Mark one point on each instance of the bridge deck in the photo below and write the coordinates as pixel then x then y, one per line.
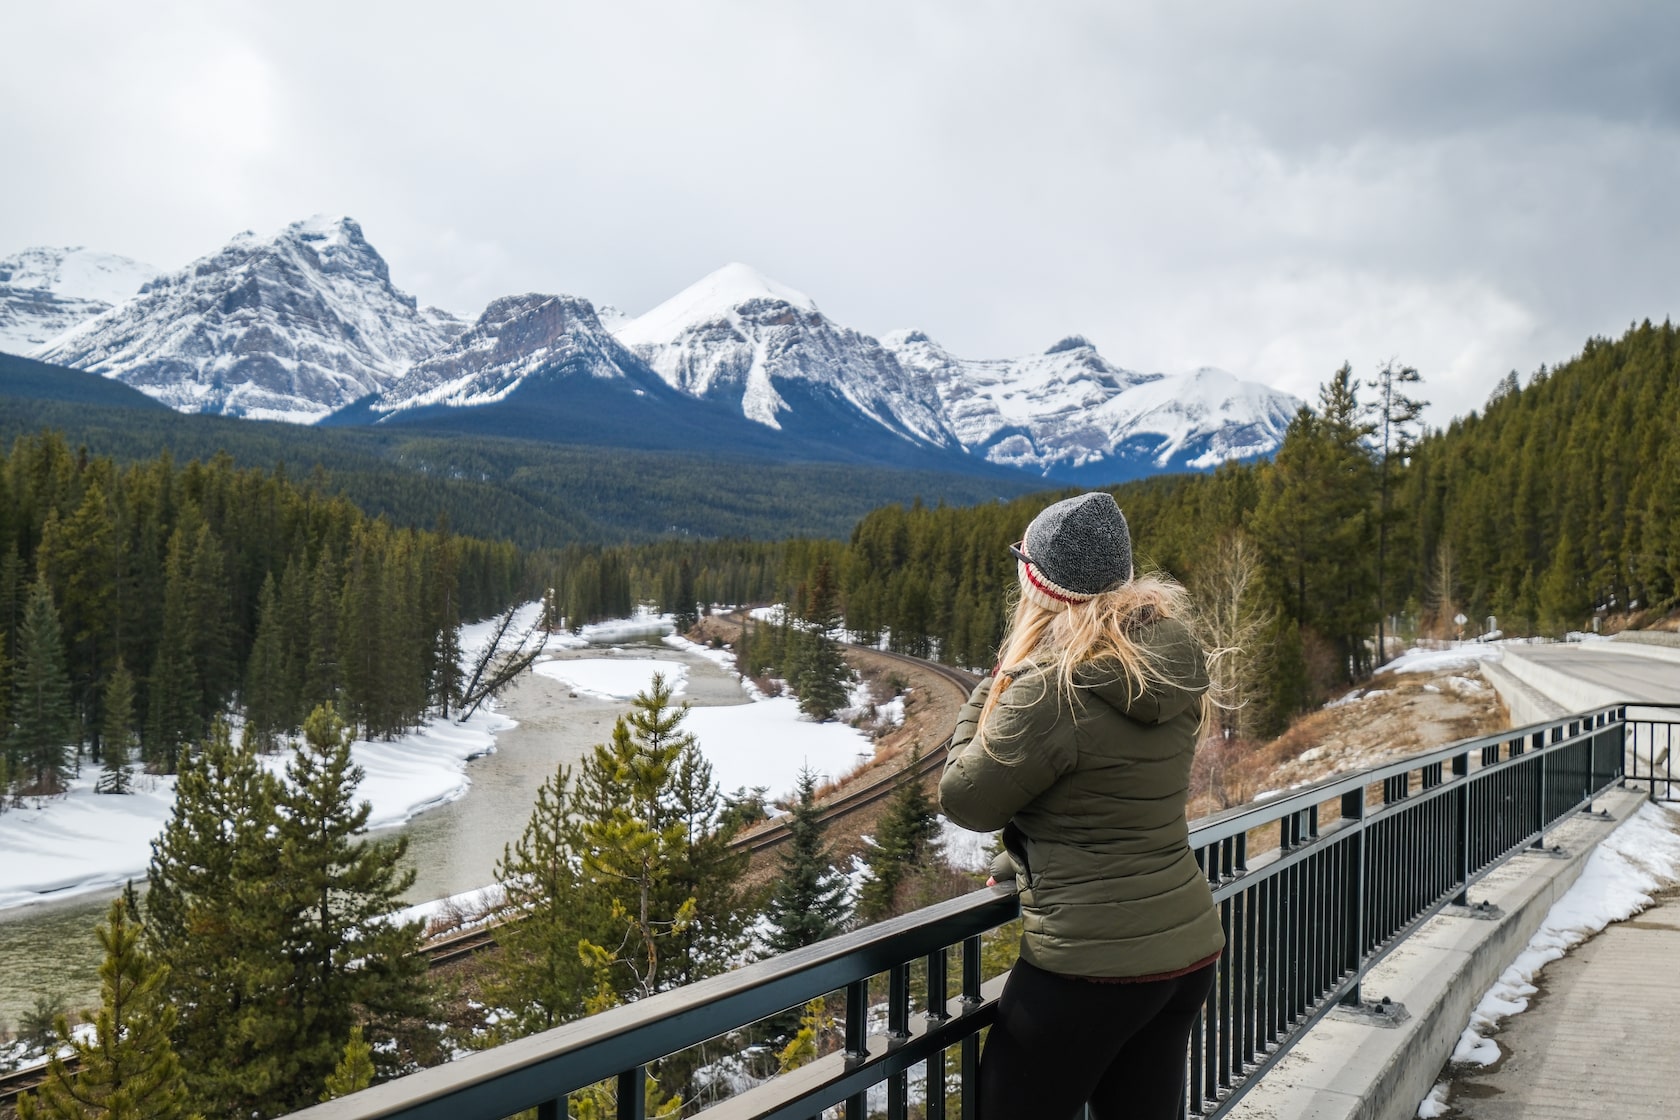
pixel 1601 1039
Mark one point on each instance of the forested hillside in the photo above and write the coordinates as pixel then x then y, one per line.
pixel 1560 499
pixel 538 494
pixel 137 602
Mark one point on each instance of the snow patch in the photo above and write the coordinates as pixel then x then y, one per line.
pixel 1619 880
pixel 613 678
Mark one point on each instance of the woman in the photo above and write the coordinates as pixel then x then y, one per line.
pixel 1079 748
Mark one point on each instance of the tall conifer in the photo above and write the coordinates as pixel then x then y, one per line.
pixel 41 718
pixel 808 901
pixel 129 1070
pixel 349 963
pixel 212 917
pixel 117 732
pixel 908 832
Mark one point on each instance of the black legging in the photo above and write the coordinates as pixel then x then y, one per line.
pixel 1060 1042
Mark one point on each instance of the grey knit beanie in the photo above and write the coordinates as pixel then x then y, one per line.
pixel 1074 551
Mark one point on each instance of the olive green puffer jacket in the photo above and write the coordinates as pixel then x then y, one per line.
pixel 1093 788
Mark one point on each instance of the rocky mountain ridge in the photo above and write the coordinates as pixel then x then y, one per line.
pixel 288 327
pixel 302 325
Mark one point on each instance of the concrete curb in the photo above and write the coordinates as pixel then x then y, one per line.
pixel 1526 703
pixel 1638 649
pixel 1348 1069
pixel 1570 693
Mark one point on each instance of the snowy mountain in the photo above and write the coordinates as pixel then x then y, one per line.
pixel 547 368
pixel 1070 414
pixel 517 338
pixel 740 337
pixel 307 324
pixel 47 291
pixel 288 327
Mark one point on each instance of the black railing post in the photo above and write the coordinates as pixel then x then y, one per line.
pixel 1540 801
pixel 1461 771
pixel 1353 809
pixel 632 1094
pixel 936 1013
pixel 971 1001
pixel 898 1033
pixel 548 1110
pixel 857 1041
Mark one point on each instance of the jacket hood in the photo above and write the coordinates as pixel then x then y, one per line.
pixel 1178 659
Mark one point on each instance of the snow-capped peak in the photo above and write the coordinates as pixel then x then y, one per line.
pixel 289 326
pixel 1069 412
pixel 708 300
pixel 516 337
pixel 76 272
pixel 45 291
pixel 738 334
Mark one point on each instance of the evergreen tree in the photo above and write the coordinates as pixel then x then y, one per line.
pixel 40 744
pixel 705 868
pixel 354 1071
pixel 175 701
pixel 322 673
pixel 647 838
pixel 820 674
pixel 129 1070
pixel 349 963
pixel 211 917
pixel 266 702
pixel 271 912
pixel 808 901
pixel 908 834
pixel 1396 432
pixel 117 732
pixel 539 980
pixel 685 607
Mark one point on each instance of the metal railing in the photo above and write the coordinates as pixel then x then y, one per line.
pixel 1313 887
pixel 1652 744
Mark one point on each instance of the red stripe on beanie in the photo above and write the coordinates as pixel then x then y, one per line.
pixel 1051 589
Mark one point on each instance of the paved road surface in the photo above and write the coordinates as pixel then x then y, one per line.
pixel 1629 676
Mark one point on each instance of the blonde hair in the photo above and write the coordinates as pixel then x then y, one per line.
pixel 1103 628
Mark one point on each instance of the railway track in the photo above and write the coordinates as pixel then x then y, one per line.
pixel 460 945
pixel 770 835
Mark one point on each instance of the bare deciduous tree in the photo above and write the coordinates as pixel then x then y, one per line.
pixel 1442 592
pixel 499 663
pixel 1234 623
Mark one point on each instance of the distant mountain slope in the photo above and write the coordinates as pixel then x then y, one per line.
pixel 45 291
pixel 1070 414
pixel 535 493
pixel 287 327
pixel 26 379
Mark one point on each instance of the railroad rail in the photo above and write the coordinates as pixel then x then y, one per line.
pixel 772 833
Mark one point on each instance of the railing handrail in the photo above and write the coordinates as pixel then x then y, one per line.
pixel 695 1012
pixel 1245 818
pixel 626 1038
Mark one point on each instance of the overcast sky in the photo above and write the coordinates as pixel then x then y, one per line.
pixel 1273 188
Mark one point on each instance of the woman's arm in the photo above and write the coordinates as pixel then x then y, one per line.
pixel 1030 747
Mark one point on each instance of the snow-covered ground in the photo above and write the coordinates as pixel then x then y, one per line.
pixel 1619 880
pixel 58 847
